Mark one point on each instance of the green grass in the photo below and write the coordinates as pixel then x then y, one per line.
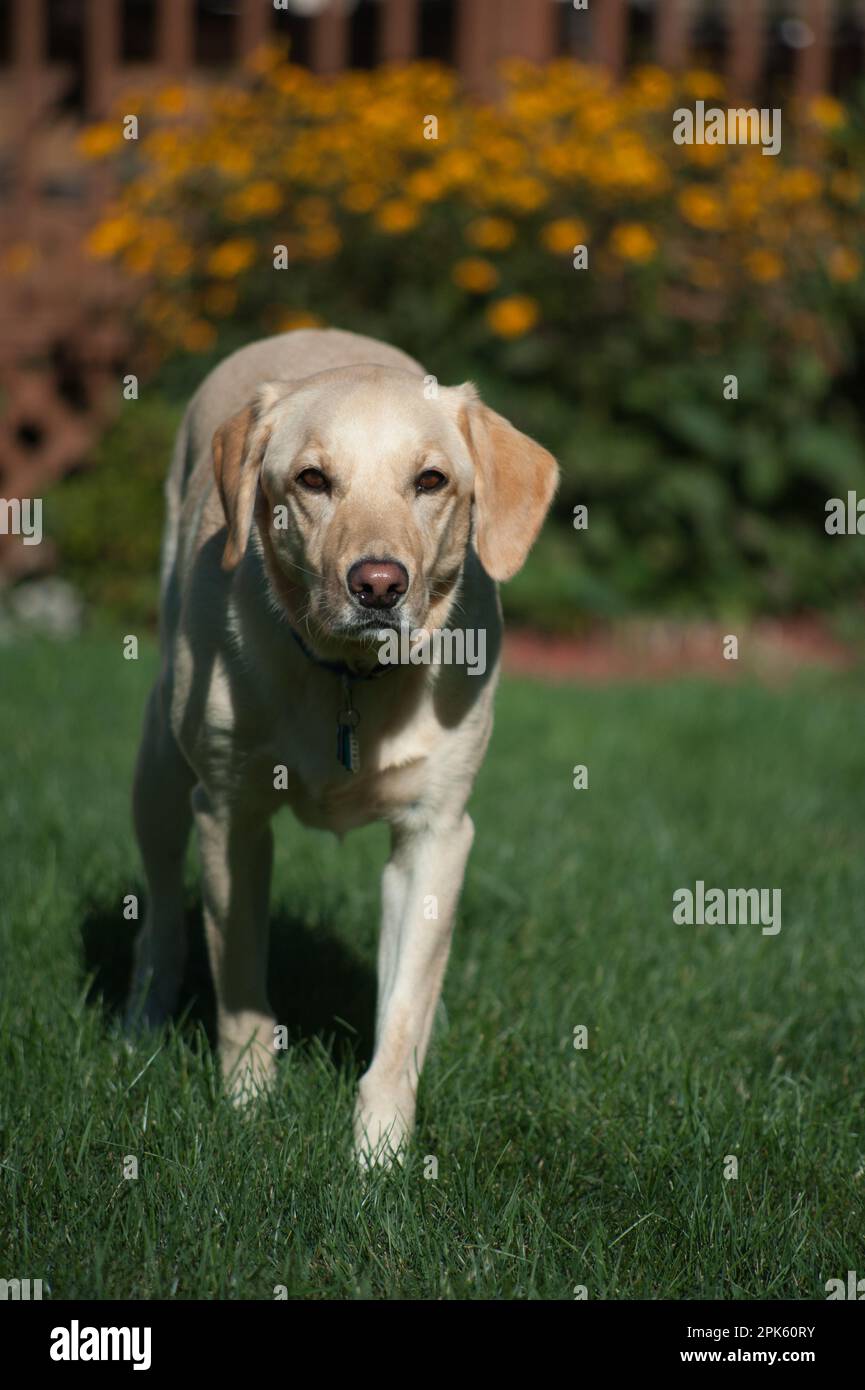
pixel 556 1167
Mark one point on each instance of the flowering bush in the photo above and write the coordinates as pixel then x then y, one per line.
pixel 389 202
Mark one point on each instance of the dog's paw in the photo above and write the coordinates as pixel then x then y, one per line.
pixel 148 1008
pixel 248 1057
pixel 383 1124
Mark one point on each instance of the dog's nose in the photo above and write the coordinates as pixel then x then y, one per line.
pixel 377 583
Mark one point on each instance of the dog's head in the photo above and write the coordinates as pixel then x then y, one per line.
pixel 363 482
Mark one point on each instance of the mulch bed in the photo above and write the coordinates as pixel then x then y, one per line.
pixel 771 650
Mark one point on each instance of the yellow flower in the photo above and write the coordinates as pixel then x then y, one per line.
pixel 844 265
pixel 233 161
pixel 701 83
pixel 825 111
pixel 321 242
pixel 503 151
pixel 198 336
pixel 523 194
pixel 560 237
pixel 514 316
pixel 265 59
pixel 172 156
pixel 631 241
pixel 140 259
pixel 231 258
pixel 744 201
pixel 799 185
pixel 220 300
pixel 100 140
pixel 397 216
pixel 475 275
pixel 171 101
pixel 257 199
pixel 490 233
pixel 360 197
pixel 626 162
pixel 230 103
pixel 562 161
pixel 701 207
pixel 110 236
pixel 291 319
pixel 458 167
pixel 651 88
pixel 764 266
pixel 704 156
pixel 289 79
pixel 846 186
pixel 599 115
pixel 425 185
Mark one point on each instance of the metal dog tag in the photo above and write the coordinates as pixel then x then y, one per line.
pixel 347 743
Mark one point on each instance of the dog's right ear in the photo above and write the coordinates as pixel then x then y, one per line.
pixel 238 449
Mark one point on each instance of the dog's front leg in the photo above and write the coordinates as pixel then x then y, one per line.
pixel 236 859
pixel 420 890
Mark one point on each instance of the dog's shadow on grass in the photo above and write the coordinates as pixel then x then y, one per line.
pixel 319 989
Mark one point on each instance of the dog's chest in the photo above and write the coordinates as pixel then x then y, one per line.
pixel 310 777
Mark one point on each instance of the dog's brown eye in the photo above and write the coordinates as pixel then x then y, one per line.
pixel 431 480
pixel 314 479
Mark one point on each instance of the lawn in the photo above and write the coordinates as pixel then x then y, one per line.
pixel 556 1167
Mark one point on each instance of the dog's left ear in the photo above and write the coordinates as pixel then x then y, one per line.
pixel 238 449
pixel 515 480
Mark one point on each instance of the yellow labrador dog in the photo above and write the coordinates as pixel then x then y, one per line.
pixel 324 493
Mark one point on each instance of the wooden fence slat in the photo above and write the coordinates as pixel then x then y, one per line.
pixel 101 53
pixel 29 53
pixel 29 33
pixel 176 35
pixel 530 29
pixel 400 32
pixel 329 48
pixel 746 45
pixel 812 62
pixel 673 33
pixel 475 47
pixel 610 35
pixel 508 31
pixel 253 25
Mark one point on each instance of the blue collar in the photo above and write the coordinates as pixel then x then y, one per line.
pixel 338 668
